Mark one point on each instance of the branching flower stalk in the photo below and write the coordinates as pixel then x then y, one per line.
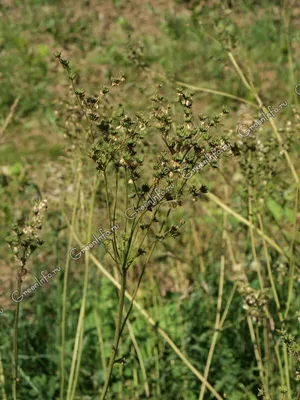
pixel 23 243
pixel 116 142
pixel 150 320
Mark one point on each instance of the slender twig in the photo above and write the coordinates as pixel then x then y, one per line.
pixel 217 92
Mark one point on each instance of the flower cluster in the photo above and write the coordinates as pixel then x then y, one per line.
pixel 213 155
pixel 26 240
pixel 255 302
pixel 152 201
pixel 293 345
pixel 117 140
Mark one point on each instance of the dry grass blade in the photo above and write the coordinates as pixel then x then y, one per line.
pixel 9 117
pixel 216 200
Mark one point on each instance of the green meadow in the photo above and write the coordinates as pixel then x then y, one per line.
pixel 149 224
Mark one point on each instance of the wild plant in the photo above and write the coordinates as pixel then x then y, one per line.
pixel 23 242
pixel 142 178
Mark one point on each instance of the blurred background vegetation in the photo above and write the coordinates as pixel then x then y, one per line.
pixel 153 42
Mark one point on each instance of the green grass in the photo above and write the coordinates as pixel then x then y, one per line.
pixel 187 43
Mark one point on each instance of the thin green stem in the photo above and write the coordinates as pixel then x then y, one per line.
pixel 117 334
pixel 65 288
pixel 111 222
pixel 77 352
pixel 286 370
pixel 239 71
pixel 151 321
pixel 219 202
pixel 98 324
pixel 217 92
pixel 2 380
pixel 140 358
pixel 270 274
pixel 292 256
pixel 217 326
pixel 257 355
pixel 16 336
pixel 286 23
pixel 282 380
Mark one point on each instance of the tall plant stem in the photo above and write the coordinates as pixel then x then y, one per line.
pixel 219 305
pixel 217 326
pixel 253 339
pixel 282 380
pixel 292 256
pixel 253 248
pixel 270 274
pixel 98 324
pixel 239 71
pixel 140 358
pixel 120 329
pixel 219 320
pixel 117 334
pixel 150 320
pixel 286 370
pixel 219 202
pixel 16 348
pixel 287 6
pixel 65 287
pixel 260 278
pixel 2 380
pixel 77 352
pixel 277 302
pixel 258 356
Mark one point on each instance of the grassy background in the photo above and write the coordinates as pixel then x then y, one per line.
pixel 180 41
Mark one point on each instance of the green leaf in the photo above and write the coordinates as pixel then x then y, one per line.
pixel 289 214
pixel 275 208
pixel 16 169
